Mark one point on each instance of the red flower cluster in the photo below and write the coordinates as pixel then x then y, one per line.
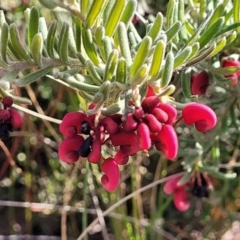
pixel 9 118
pixel 199 83
pixel 150 124
pixel 198 186
pixel 234 76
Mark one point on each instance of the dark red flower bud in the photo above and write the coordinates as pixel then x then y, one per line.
pixel 15 119
pixel 153 124
pixel 95 155
pixel 7 101
pixel 143 133
pixel 170 110
pixel 4 114
pixel 168 142
pixel 160 115
pixel 130 123
pixel 149 103
pixel 110 179
pixel 68 149
pixel 120 158
pixel 71 123
pixel 139 113
pixel 111 126
pixel 199 83
pixel 201 115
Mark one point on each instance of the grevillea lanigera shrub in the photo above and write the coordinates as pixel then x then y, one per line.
pixel 163 91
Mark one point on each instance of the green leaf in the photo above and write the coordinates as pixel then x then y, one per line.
pixel 114 17
pixel 171 32
pixel 37 47
pixel 195 49
pixel 170 13
pixel 220 71
pixel 43 28
pixel 140 77
pixel 4 41
pixel 82 86
pixel 17 44
pixel 211 32
pixel 129 11
pixel 213 171
pixel 236 12
pixel 181 57
pixel 156 27
pixel 93 73
pixel 88 44
pixel 99 35
pixel 220 45
pixel 10 76
pixel 32 77
pixel 107 10
pixel 141 55
pixel 63 43
pixel 33 24
pixel 167 70
pixel 186 83
pixel 121 72
pixel 218 12
pixel 228 28
pixel 123 42
pixel 184 179
pixel 105 89
pixel 48 4
pixel 157 60
pixel 95 10
pixel 51 38
pixel 110 110
pixel 107 47
pixel 111 65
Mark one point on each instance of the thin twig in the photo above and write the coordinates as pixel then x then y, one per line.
pixel 110 209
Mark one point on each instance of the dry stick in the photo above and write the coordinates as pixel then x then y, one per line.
pixel 110 209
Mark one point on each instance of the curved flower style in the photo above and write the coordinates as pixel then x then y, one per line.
pixel 234 76
pixel 201 115
pixel 199 83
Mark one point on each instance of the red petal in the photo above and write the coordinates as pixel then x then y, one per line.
pixel 153 124
pixel 150 103
pixel 181 200
pixel 71 123
pixel 201 115
pixel 143 133
pixel 16 119
pixel 170 110
pixel 171 185
pixel 121 158
pixel 110 179
pixel 199 83
pixel 95 155
pixel 68 149
pixel 168 142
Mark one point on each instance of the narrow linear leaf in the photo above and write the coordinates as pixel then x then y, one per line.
pixel 170 13
pixel 94 12
pixel 141 55
pixel 82 86
pixel 219 47
pixel 113 109
pixel 140 77
pixel 230 39
pixel 181 57
pixel 63 43
pixel 99 35
pixel 114 17
pixel 195 49
pixel 107 47
pixel 4 41
pixel 156 27
pixel 10 76
pixel 123 42
pixel 218 12
pixel 17 44
pixel 171 32
pixel 111 65
pixel 228 28
pixel 37 47
pixel 186 83
pixel 105 89
pixel 43 28
pixel 157 60
pixel 236 12
pixel 167 70
pixel 129 11
pixel 93 73
pixel 33 24
pixel 32 77
pixel 107 10
pixel 121 72
pixel 51 38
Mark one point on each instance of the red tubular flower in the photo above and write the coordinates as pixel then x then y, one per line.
pixel 95 155
pixel 68 149
pixel 15 118
pixel 153 124
pixel 129 124
pixel 120 158
pixel 160 115
pixel 143 133
pixel 149 103
pixel 234 76
pixel 170 110
pixel 181 201
pixel 71 123
pixel 167 142
pixel 201 115
pixel 171 185
pixel 111 177
pixel 199 83
pixel 111 126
